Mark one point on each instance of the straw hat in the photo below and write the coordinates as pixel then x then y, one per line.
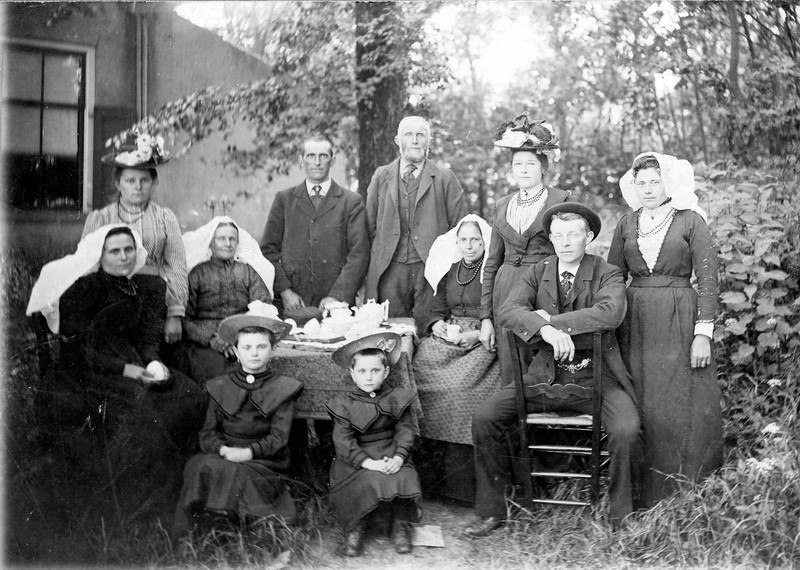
pixel 388 342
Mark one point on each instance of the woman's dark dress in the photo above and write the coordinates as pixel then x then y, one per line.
pixel 258 416
pixel 217 290
pixel 680 406
pixel 367 427
pixel 107 322
pixel 509 256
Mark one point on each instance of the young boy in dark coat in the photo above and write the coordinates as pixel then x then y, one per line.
pixel 373 436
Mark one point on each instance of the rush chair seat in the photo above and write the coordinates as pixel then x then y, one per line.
pixel 565 422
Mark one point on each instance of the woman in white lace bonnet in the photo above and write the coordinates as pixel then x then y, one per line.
pixel 227 272
pixel 666 336
pixel 454 371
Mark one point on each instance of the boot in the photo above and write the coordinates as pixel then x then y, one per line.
pixel 401 537
pixel 352 541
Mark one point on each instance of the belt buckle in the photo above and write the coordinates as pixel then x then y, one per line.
pixel 518 261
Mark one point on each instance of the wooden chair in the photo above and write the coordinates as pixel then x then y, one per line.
pixel 563 421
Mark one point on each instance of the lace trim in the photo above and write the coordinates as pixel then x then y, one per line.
pixel 651 239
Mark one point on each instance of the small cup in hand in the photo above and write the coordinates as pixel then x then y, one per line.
pixel 453 332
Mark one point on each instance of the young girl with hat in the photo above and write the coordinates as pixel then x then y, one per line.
pixel 373 436
pixel 244 439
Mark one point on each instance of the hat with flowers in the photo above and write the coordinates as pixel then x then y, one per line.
pixel 524 134
pixel 259 314
pixel 146 152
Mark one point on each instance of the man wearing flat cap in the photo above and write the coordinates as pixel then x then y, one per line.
pixel 566 294
pixel 410 202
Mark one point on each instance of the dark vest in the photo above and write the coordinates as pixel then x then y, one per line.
pixel 406 251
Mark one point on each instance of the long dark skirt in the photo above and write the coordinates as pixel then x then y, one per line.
pixel 680 406
pixel 251 488
pixel 357 492
pixel 140 439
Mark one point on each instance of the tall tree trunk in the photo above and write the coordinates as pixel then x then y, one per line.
pixel 700 124
pixel 379 107
pixel 733 68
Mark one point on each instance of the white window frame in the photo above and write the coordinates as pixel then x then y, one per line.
pixel 88 112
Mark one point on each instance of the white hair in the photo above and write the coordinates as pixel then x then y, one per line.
pixel 414 118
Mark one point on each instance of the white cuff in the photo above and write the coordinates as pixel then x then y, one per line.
pixel 705 328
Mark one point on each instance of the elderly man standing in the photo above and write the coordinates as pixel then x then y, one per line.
pixel 566 294
pixel 410 202
pixel 316 237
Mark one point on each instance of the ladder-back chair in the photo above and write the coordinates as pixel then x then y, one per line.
pixel 529 423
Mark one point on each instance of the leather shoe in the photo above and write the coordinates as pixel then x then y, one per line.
pixel 401 537
pixel 482 526
pixel 352 542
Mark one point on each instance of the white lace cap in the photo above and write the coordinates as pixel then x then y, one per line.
pixel 445 252
pixel 59 275
pixel 198 249
pixel 678 178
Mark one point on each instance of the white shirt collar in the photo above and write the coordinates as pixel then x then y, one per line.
pixel 324 185
pixel 417 171
pixel 572 270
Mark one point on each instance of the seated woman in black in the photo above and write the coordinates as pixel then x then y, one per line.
pixel 111 322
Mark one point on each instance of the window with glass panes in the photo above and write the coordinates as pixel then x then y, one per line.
pixel 44 97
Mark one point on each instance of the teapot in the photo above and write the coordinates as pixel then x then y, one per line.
pixel 373 313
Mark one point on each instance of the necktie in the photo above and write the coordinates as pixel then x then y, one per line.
pixel 566 282
pixel 409 171
pixel 315 199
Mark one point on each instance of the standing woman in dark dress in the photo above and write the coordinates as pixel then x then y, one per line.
pixel 454 372
pixel 666 336
pixel 518 240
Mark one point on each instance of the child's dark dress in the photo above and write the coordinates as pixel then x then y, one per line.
pixel 371 427
pixel 257 415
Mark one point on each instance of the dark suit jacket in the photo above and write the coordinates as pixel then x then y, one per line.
pixel 317 254
pixel 439 207
pixel 597 301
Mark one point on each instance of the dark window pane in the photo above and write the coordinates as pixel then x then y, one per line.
pixel 20 129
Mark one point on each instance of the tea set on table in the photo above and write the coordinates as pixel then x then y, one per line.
pixel 341 323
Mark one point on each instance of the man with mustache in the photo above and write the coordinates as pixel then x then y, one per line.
pixel 316 237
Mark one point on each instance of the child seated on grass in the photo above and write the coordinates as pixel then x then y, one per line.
pixel 246 430
pixel 373 436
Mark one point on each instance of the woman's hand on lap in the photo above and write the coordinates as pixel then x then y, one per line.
pixel 373 465
pixel 439 329
pixel 487 335
pixel 236 454
pixel 701 351
pixel 137 373
pixel 469 339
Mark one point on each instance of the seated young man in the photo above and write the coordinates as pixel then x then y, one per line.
pixel 567 294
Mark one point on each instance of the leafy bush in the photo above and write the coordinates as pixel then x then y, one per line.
pixel 755 220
